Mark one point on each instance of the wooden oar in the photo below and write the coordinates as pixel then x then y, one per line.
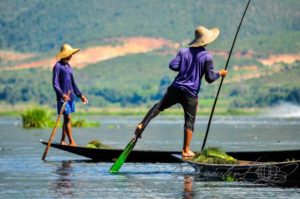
pixel 54 129
pixel 122 158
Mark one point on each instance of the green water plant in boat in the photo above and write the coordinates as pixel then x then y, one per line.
pixel 214 155
pixel 97 144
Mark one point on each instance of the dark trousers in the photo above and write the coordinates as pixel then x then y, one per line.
pixel 188 103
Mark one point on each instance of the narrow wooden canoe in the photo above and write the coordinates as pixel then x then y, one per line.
pixel 271 173
pixel 110 155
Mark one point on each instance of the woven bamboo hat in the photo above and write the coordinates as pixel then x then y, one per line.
pixel 66 50
pixel 204 36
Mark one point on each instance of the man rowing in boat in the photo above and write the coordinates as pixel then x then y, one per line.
pixel 63 82
pixel 191 64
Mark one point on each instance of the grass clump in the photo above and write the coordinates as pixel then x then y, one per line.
pixel 81 122
pixel 36 118
pixel 97 144
pixel 214 155
pixel 41 118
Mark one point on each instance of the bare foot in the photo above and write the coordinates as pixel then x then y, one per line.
pixel 188 153
pixel 73 144
pixel 138 130
pixel 63 143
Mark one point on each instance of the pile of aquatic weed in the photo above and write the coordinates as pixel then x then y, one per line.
pixel 214 155
pixel 97 144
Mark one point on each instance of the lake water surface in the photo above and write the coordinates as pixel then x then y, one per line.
pixel 24 175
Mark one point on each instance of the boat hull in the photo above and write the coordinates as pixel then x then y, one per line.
pixel 110 155
pixel 271 173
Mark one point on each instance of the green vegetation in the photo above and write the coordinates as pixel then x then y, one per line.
pixel 269 90
pixel 121 93
pixel 41 25
pixel 41 118
pixel 229 178
pixel 97 144
pixel 214 155
pixel 36 118
pixel 119 85
pixel 81 122
pixel 17 110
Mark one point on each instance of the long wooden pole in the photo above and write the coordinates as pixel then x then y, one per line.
pixel 219 89
pixel 54 129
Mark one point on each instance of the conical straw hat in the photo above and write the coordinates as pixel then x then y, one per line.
pixel 204 36
pixel 66 50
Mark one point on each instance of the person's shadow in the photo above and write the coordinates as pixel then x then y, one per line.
pixel 63 185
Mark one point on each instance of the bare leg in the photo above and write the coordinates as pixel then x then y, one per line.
pixel 149 116
pixel 63 135
pixel 68 125
pixel 186 151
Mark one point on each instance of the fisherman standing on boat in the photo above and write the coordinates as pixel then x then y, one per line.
pixel 191 64
pixel 63 82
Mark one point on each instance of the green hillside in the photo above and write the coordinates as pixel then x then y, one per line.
pixel 40 26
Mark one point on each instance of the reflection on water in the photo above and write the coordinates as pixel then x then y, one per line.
pixel 188 187
pixel 63 185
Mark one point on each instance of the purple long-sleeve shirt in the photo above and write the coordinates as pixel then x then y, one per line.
pixel 63 81
pixel 192 64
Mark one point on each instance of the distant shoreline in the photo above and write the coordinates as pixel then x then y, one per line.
pixel 128 111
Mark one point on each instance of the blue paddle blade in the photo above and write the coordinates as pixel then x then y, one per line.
pixel 122 158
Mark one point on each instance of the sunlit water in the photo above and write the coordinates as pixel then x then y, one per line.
pixel 64 175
